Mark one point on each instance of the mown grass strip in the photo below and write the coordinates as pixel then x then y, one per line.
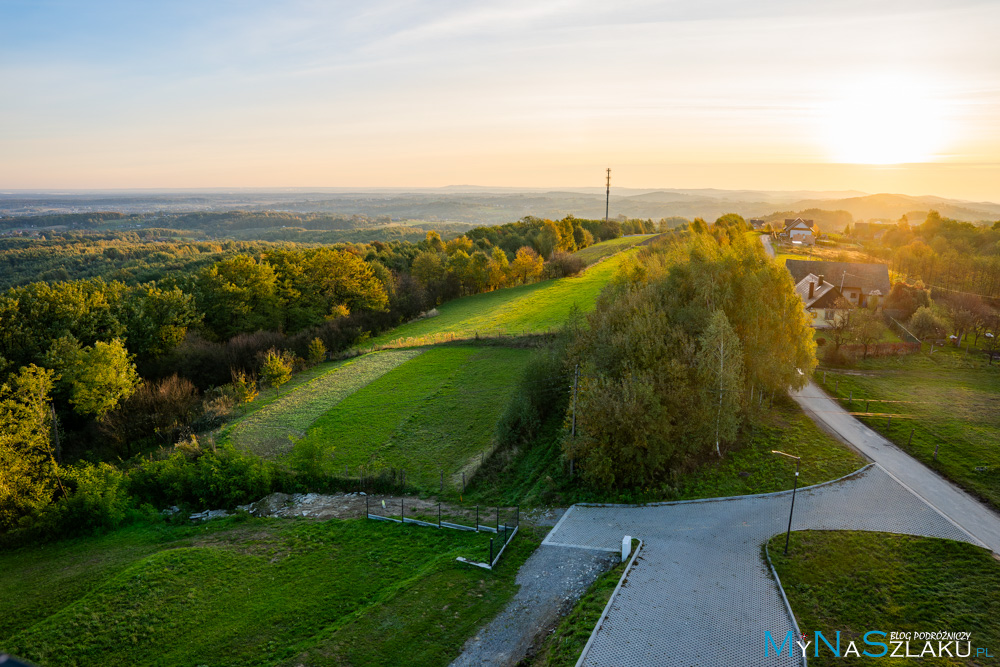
pixel 429 415
pixel 858 581
pixel 595 253
pixel 267 430
pixel 534 308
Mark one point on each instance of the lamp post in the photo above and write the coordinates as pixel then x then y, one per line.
pixel 795 487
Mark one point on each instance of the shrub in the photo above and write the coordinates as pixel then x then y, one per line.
pixel 98 500
pixel 217 478
pixel 563 264
pixel 820 341
pixel 543 391
pixel 316 352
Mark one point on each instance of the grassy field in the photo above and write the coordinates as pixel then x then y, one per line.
pixel 598 251
pixel 534 308
pixel 949 400
pixel 272 420
pixel 821 253
pixel 253 591
pixel 538 474
pixel 855 582
pixel 435 412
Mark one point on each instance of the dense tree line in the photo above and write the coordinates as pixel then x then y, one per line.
pixel 682 347
pixel 943 253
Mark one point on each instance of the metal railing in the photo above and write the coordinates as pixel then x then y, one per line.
pixel 504 530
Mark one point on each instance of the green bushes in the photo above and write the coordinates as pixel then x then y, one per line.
pixel 543 391
pixel 218 478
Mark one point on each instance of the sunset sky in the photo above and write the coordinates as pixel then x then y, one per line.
pixel 877 96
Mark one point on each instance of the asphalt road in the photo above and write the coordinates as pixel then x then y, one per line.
pixel 972 515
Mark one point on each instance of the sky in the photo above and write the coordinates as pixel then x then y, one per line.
pixel 879 96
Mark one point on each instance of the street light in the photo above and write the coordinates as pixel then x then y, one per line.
pixel 795 486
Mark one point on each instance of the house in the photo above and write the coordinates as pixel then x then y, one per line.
pixel 800 231
pixel 757 223
pixel 822 299
pixel 861 284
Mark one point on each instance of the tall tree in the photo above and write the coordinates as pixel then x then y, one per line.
pixel 28 470
pixel 720 376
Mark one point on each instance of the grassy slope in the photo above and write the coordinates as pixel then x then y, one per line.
pixel 256 592
pixel 598 251
pixel 433 412
pixel 271 420
pixel 856 581
pixel 956 405
pixel 534 308
pixel 537 475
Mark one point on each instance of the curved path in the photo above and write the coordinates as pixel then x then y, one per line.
pixel 963 509
pixel 700 592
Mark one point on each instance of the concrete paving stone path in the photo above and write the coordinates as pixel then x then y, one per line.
pixel 701 592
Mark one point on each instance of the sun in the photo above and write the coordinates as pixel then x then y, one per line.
pixel 884 120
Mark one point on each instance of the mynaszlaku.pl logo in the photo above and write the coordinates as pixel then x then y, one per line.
pixel 878 644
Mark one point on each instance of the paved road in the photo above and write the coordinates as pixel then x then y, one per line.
pixel 768 248
pixel 700 593
pixel 958 505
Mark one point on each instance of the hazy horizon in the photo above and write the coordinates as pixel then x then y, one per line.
pixel 868 96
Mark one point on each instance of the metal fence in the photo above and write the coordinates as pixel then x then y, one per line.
pixel 504 531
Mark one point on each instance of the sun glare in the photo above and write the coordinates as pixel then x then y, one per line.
pixel 884 120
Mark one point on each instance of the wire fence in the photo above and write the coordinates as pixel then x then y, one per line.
pixel 504 530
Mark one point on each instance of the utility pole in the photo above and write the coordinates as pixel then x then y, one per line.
pixel 607 198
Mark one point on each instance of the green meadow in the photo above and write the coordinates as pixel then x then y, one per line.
pixel 858 581
pixel 273 421
pixel 435 413
pixel 595 253
pixel 535 308
pixel 247 591
pixel 949 401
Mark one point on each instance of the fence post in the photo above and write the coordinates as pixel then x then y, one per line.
pixel 850 399
pixel 439 515
pixel 935 450
pixel 910 438
pixel 824 377
pixel 836 387
pixel 491 553
pixel 402 516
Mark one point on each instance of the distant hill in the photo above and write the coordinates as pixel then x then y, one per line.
pixel 488 206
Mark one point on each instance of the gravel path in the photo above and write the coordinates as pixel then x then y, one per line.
pixel 551 581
